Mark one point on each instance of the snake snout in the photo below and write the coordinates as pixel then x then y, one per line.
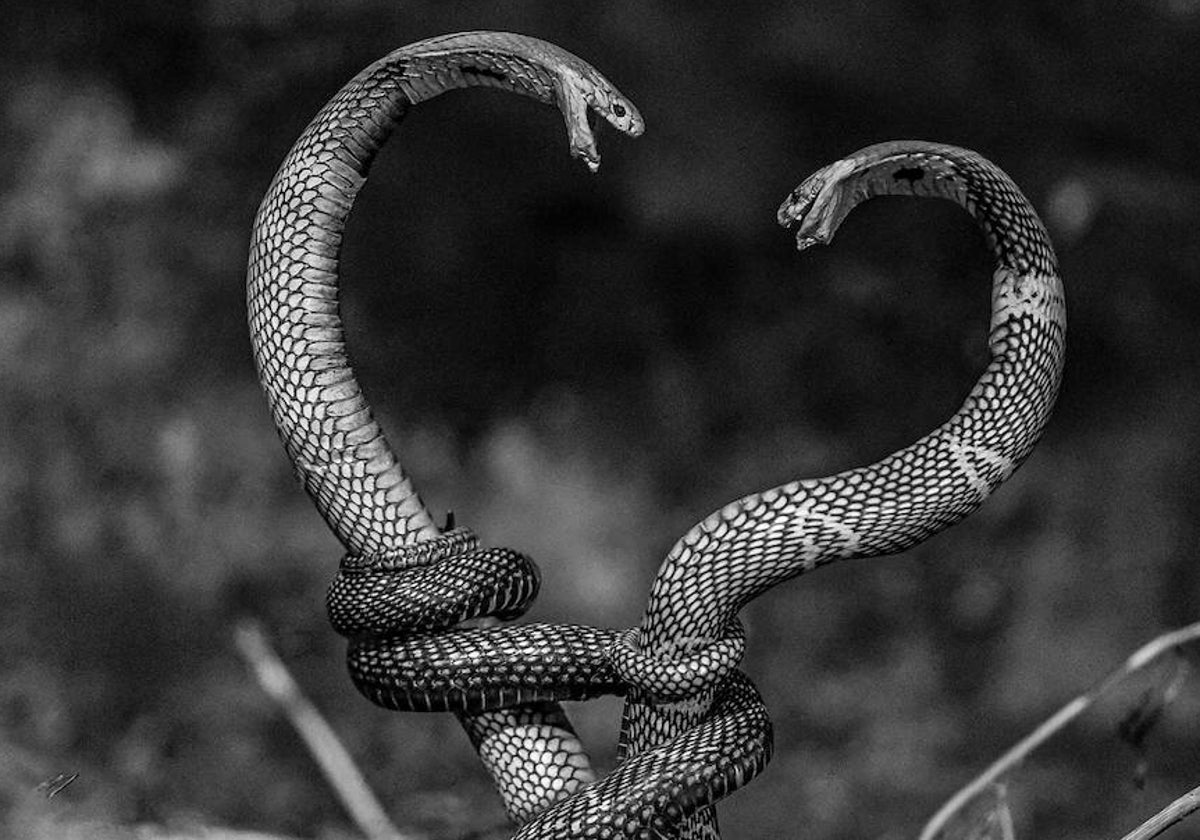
pixel 800 208
pixel 796 205
pixel 626 118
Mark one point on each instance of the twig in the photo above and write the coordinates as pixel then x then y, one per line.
pixel 1167 817
pixel 335 762
pixel 156 832
pixel 1004 816
pixel 56 784
pixel 1142 657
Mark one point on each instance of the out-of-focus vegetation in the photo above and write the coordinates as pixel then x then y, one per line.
pixel 581 367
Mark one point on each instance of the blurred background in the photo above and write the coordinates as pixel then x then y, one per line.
pixel 581 367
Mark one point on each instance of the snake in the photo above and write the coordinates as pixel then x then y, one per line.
pixel 425 608
pixel 760 540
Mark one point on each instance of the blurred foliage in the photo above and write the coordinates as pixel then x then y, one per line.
pixel 582 367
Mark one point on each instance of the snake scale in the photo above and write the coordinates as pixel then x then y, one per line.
pixel 694 727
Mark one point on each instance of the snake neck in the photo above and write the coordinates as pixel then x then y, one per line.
pixel 331 437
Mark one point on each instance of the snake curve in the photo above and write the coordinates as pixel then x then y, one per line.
pixel 693 735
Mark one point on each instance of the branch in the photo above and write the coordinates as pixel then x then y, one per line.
pixel 155 832
pixel 1142 657
pixel 1167 817
pixel 335 762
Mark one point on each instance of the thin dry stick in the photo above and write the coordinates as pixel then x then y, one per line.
pixel 339 769
pixel 154 832
pixel 1167 817
pixel 1004 816
pixel 1142 657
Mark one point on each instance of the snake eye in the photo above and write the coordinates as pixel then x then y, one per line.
pixel 618 109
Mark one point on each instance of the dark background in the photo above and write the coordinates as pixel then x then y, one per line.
pixel 581 367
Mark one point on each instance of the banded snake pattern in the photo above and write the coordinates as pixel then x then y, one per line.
pixel 694 727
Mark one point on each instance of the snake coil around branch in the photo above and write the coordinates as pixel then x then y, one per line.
pixel 694 726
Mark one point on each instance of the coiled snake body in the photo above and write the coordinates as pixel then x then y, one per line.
pixel 694 726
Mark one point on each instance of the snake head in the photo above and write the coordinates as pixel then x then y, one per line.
pixel 621 114
pixel 818 206
pixel 580 92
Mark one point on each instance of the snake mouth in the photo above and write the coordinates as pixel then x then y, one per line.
pixel 800 211
pixel 819 205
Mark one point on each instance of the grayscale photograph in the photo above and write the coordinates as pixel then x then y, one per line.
pixel 431 421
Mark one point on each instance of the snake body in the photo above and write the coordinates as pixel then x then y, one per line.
pixel 694 726
pixel 760 540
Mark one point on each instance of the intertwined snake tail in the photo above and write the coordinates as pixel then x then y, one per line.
pixel 695 727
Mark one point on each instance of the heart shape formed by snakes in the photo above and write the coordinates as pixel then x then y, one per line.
pixel 694 726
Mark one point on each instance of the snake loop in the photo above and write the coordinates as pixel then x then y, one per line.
pixel 694 726
pixel 432 585
pixel 697 666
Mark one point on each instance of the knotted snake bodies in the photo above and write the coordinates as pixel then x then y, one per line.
pixel 694 726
